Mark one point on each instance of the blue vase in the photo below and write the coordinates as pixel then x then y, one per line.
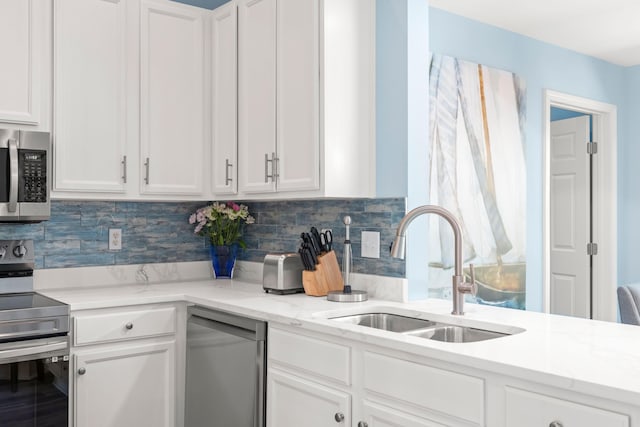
pixel 223 259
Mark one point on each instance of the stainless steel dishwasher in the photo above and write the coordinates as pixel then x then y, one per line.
pixel 226 370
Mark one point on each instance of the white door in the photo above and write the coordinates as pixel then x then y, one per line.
pixel 130 385
pixel 570 215
pixel 298 85
pixel 90 81
pixel 21 27
pixel 224 99
pixel 256 95
pixel 295 402
pixel 172 98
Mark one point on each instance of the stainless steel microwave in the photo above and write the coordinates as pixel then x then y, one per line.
pixel 25 176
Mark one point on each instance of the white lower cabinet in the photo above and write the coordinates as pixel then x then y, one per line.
pixel 316 379
pixel 526 409
pixel 128 367
pixel 295 401
pixel 376 415
pixel 128 385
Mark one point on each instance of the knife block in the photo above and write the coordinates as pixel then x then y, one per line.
pixel 326 277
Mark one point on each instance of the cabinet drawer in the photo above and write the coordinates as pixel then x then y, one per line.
pixel 445 392
pixel 314 356
pixel 123 325
pixel 526 409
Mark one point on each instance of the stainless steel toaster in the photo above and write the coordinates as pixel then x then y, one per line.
pixel 282 273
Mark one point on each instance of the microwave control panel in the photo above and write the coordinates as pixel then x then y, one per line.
pixel 33 176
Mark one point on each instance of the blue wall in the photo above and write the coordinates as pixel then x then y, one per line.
pixel 77 233
pixel 391 97
pixel 545 66
pixel 628 180
pixel 561 114
pixel 402 133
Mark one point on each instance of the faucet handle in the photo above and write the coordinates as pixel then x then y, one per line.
pixel 469 287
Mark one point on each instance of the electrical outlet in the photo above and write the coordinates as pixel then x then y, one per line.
pixel 370 244
pixel 115 239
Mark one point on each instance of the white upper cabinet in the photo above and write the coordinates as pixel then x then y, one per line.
pixel 257 95
pixel 298 95
pixel 279 100
pixel 90 94
pixel 224 99
pixel 172 94
pixel 23 44
pixel 306 98
pixel 158 100
pixel 348 98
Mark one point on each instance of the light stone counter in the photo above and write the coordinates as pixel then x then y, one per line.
pixel 592 357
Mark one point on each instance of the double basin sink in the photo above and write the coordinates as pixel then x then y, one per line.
pixel 422 328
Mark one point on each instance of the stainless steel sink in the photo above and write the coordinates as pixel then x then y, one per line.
pixel 423 328
pixel 453 333
pixel 387 321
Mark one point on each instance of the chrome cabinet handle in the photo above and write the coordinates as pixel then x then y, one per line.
pixel 124 169
pixel 13 171
pixel 146 173
pixel 227 179
pixel 555 424
pixel 266 168
pixel 339 417
pixel 274 167
pixel 363 424
pixel 129 326
pixel 82 371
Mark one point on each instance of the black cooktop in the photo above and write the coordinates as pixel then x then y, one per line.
pixel 26 305
pixel 26 300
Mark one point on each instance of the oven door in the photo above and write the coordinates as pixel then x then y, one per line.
pixel 34 383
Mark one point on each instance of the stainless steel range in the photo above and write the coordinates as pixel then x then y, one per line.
pixel 34 345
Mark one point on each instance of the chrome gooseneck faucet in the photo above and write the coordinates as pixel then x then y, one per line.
pixel 460 287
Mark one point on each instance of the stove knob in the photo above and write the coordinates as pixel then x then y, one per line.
pixel 19 251
pixel 3 251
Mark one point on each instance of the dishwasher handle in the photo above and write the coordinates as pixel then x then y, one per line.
pixel 243 327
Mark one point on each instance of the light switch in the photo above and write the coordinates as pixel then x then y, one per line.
pixel 370 246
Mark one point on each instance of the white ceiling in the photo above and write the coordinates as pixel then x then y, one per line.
pixel 606 29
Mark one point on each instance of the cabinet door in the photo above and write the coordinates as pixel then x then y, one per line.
pixel 224 99
pixel 298 83
pixel 256 95
pixel 295 402
pixel 22 50
pixel 171 98
pixel 380 416
pixel 90 81
pixel 126 386
pixel 526 409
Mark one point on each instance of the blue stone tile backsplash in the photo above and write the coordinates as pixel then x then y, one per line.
pixel 77 233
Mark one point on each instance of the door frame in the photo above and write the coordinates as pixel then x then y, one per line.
pixel 604 201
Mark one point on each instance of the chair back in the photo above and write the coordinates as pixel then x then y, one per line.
pixel 629 303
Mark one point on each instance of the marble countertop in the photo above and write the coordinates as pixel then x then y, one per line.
pixel 591 357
